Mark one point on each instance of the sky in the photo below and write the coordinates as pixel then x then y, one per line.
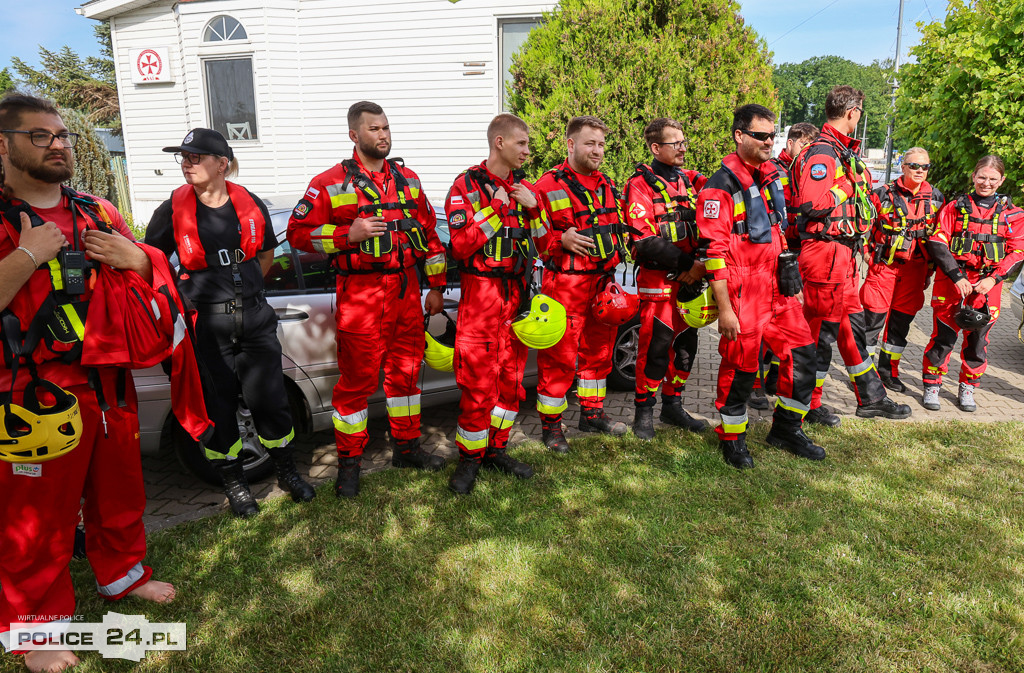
pixel 805 28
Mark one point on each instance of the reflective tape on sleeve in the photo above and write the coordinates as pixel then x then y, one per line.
pixel 559 199
pixel 322 239
pixel 342 196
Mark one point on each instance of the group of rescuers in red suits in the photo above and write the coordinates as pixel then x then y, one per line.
pixel 775 240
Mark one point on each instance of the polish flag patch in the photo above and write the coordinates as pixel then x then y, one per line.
pixel 711 209
pixel 312 193
pixel 457 200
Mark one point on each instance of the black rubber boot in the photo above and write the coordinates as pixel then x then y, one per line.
pixel 553 437
pixel 672 412
pixel 892 383
pixel 735 452
pixel 499 461
pixel 595 420
pixel 758 400
pixel 823 416
pixel 236 488
pixel 643 422
pixel 288 477
pixel 794 440
pixel 771 380
pixel 883 407
pixel 464 478
pixel 347 483
pixel 409 454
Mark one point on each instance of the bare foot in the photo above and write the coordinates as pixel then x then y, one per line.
pixel 50 661
pixel 158 592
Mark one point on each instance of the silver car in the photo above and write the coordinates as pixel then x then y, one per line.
pixel 301 288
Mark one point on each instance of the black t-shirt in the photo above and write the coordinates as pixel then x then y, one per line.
pixel 218 228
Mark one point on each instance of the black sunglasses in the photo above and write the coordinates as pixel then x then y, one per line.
pixel 759 135
pixel 917 167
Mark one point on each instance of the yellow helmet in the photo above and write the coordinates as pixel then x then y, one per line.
pixel 439 353
pixel 35 433
pixel 543 325
pixel 697 311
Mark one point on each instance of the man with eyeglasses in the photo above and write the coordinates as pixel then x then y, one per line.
pixel 753 276
pixel 50 238
pixel 661 219
pixel 833 190
pixel 900 268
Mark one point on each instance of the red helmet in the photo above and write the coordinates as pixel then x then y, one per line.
pixel 614 306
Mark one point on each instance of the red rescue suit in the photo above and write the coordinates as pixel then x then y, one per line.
pixel 591 204
pixel 833 190
pixel 740 211
pixel 977 238
pixel 492 242
pixel 900 269
pixel 380 315
pixel 40 504
pixel 662 223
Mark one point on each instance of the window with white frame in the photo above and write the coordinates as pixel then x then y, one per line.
pixel 512 34
pixel 228 77
pixel 224 28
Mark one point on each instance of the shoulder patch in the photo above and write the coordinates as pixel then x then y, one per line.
pixel 636 211
pixel 457 200
pixel 312 193
pixel 819 171
pixel 457 219
pixel 302 209
pixel 711 209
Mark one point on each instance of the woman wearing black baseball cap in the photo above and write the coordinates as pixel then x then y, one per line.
pixel 224 240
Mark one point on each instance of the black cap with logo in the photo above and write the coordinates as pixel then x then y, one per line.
pixel 204 141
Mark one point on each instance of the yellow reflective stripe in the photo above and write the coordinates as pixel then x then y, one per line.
pixel 784 180
pixel 322 239
pixel 893 351
pixel 653 387
pixel 734 424
pixel 435 265
pixel 792 405
pixel 351 424
pixel 502 418
pixel 470 440
pixel 559 199
pixel 342 197
pixel 862 368
pixel 75 320
pixel 276 443
pixel 403 407
pixel 654 290
pixel 839 194
pixel 592 388
pixel 55 274
pixel 820 379
pixel 231 454
pixel 738 208
pixel 714 264
pixel 551 405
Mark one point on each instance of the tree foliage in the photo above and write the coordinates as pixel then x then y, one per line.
pixel 964 97
pixel 92 160
pixel 629 61
pixel 803 87
pixel 7 82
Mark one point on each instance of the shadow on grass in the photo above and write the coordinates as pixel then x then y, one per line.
pixel 901 552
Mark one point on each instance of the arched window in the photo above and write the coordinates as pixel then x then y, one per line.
pixel 223 28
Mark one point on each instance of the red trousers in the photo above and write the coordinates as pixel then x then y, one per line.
pixel 974 352
pixel 834 313
pixel 586 339
pixel 892 296
pixel 39 512
pixel 765 315
pixel 666 352
pixel 489 364
pixel 378 325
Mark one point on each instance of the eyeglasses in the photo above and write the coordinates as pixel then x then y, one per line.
pixel 917 167
pixel 677 145
pixel 45 138
pixel 760 136
pixel 857 108
pixel 191 157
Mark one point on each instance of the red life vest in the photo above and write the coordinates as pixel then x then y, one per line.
pixel 188 238
pixel 850 219
pixel 507 253
pixel 980 239
pixel 675 213
pixel 897 236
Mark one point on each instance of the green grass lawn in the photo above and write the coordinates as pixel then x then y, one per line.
pixel 904 551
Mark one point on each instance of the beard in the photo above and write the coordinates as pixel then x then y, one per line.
pixel 371 150
pixel 53 175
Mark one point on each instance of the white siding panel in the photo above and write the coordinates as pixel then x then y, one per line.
pixel 311 60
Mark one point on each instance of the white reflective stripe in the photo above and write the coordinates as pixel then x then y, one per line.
pixel 553 405
pixel 863 367
pixel 592 387
pixel 489 228
pixel 403 406
pixel 733 420
pixel 472 439
pixel 502 418
pixel 435 259
pixel 350 424
pixel 894 350
pixel 652 290
pixel 156 309
pixel 353 418
pixel 792 405
pixel 338 189
pixel 820 378
pixel 179 331
pixel 413 183
pixel 116 587
pixel 53 630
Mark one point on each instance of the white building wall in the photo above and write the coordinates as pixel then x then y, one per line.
pixel 312 59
